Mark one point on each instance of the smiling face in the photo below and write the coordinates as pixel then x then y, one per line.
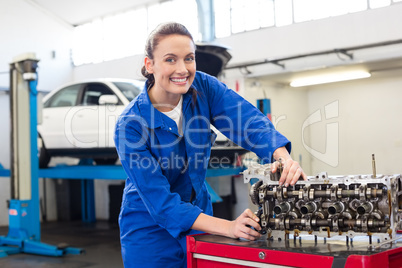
pixel 173 66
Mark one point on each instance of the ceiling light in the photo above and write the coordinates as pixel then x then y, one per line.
pixel 329 78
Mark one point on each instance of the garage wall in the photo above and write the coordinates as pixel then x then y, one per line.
pixel 26 28
pixel 355 120
pixel 288 111
pixel 369 122
pixel 129 67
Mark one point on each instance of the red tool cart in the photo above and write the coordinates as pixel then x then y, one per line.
pixel 207 250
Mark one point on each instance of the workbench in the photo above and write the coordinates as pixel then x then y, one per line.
pixel 207 250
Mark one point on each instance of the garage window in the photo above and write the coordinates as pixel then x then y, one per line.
pixel 123 35
pixel 235 16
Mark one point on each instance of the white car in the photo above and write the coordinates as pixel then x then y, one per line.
pixel 78 119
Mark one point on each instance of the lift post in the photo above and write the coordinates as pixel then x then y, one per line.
pixel 24 221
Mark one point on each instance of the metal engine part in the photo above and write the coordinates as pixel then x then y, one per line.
pixel 327 206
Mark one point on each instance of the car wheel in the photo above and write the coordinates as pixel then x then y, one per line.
pixel 44 156
pixel 105 161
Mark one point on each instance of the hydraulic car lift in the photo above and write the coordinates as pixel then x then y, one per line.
pixel 24 224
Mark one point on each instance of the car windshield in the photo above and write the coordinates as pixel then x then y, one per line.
pixel 130 89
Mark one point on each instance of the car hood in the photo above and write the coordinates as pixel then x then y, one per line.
pixel 211 58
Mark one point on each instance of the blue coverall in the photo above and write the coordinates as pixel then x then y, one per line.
pixel 163 167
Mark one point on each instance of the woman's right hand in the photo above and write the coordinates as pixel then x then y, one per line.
pixel 242 227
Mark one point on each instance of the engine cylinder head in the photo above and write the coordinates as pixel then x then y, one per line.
pixel 339 205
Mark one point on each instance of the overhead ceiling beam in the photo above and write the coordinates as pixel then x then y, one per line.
pixel 50 14
pixel 344 51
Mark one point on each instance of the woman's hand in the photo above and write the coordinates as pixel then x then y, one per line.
pixel 291 171
pixel 243 226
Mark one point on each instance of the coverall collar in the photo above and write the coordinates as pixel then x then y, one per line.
pixel 152 116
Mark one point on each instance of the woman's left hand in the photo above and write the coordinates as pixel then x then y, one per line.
pixel 245 226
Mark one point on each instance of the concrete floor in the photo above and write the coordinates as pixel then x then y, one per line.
pixel 100 242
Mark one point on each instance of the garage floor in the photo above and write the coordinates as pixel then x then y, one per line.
pixel 100 242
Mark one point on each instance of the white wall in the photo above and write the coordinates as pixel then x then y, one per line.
pixel 369 122
pixel 26 28
pixel 288 110
pixel 129 68
pixel 358 118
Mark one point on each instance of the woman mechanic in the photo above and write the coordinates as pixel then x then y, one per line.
pixel 163 139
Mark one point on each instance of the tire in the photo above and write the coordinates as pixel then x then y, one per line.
pixel 105 161
pixel 44 156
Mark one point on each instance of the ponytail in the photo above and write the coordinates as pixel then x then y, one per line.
pixel 150 77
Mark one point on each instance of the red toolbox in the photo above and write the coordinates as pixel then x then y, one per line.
pixel 207 250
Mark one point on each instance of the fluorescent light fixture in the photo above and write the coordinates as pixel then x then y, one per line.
pixel 329 78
